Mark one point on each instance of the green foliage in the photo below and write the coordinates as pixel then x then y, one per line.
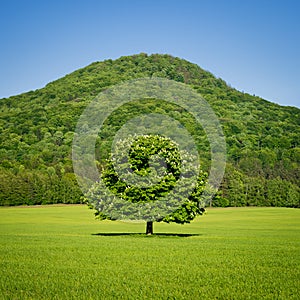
pixel 135 108
pixel 38 187
pixel 153 165
pixel 36 131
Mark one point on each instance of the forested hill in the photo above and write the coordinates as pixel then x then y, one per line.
pixel 36 132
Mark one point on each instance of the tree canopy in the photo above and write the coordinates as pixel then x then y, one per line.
pixel 153 181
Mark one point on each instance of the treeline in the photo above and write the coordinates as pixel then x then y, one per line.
pixel 33 187
pixel 238 189
pixel 37 128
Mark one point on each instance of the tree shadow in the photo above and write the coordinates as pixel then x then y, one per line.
pixel 182 235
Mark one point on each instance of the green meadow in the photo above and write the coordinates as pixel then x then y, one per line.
pixel 62 252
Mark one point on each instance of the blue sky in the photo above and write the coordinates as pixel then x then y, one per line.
pixel 253 45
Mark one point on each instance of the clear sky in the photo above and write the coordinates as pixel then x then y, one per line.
pixel 253 45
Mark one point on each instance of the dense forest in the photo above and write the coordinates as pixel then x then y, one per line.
pixel 37 129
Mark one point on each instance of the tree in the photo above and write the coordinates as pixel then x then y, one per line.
pixel 148 178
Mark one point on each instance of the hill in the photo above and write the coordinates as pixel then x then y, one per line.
pixel 37 127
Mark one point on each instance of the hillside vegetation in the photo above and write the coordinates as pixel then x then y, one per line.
pixel 37 128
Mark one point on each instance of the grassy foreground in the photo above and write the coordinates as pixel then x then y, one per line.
pixel 61 252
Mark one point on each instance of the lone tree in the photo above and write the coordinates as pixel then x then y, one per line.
pixel 149 179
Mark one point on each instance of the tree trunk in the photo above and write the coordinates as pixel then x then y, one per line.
pixel 149 228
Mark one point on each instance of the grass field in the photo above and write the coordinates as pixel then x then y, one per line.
pixel 61 252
